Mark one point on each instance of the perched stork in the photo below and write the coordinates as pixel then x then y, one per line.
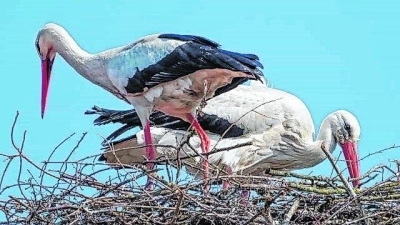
pixel 170 73
pixel 278 125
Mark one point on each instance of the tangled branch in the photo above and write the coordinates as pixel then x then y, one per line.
pixel 85 191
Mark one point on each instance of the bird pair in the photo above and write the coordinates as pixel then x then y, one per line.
pixel 169 73
pixel 274 129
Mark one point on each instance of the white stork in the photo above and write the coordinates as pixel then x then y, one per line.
pixel 171 73
pixel 278 125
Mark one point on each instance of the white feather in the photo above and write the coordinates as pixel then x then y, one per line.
pixel 153 93
pixel 280 132
pixel 258 108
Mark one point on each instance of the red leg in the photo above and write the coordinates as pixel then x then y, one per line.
pixel 245 197
pixel 205 145
pixel 150 153
pixel 225 184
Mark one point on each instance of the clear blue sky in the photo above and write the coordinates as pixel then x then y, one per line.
pixel 332 54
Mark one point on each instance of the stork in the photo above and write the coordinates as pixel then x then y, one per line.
pixel 171 73
pixel 278 125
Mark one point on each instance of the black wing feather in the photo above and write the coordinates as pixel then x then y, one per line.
pixel 194 38
pixel 130 119
pixel 196 54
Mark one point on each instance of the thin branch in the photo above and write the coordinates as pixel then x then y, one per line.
pixel 344 180
pixel 91 193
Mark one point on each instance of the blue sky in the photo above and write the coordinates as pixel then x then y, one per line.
pixel 331 54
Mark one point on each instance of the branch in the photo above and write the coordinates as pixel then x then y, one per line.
pixel 89 192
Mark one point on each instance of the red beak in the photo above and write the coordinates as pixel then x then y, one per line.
pixel 47 65
pixel 350 152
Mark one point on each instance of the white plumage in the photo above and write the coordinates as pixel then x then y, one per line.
pixel 277 124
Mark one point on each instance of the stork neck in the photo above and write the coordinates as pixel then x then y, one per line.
pixel 325 134
pixel 86 64
pixel 315 155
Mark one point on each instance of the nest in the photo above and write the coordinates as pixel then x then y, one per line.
pixel 84 191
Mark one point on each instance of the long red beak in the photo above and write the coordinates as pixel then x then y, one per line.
pixel 47 65
pixel 350 152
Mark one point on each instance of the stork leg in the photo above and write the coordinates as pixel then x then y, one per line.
pixel 225 183
pixel 150 153
pixel 205 146
pixel 143 109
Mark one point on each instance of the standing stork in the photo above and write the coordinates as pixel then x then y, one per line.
pixel 170 73
pixel 278 125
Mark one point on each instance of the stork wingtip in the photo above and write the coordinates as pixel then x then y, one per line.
pixel 88 112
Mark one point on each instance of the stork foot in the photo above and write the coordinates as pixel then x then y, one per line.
pixel 244 198
pixel 149 184
pixel 225 183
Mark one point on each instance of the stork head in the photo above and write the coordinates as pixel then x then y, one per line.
pixel 346 131
pixel 46 50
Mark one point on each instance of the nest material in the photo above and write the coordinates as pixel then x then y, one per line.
pixel 121 200
pixel 84 192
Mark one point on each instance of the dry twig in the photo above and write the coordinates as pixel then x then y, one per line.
pixel 83 191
